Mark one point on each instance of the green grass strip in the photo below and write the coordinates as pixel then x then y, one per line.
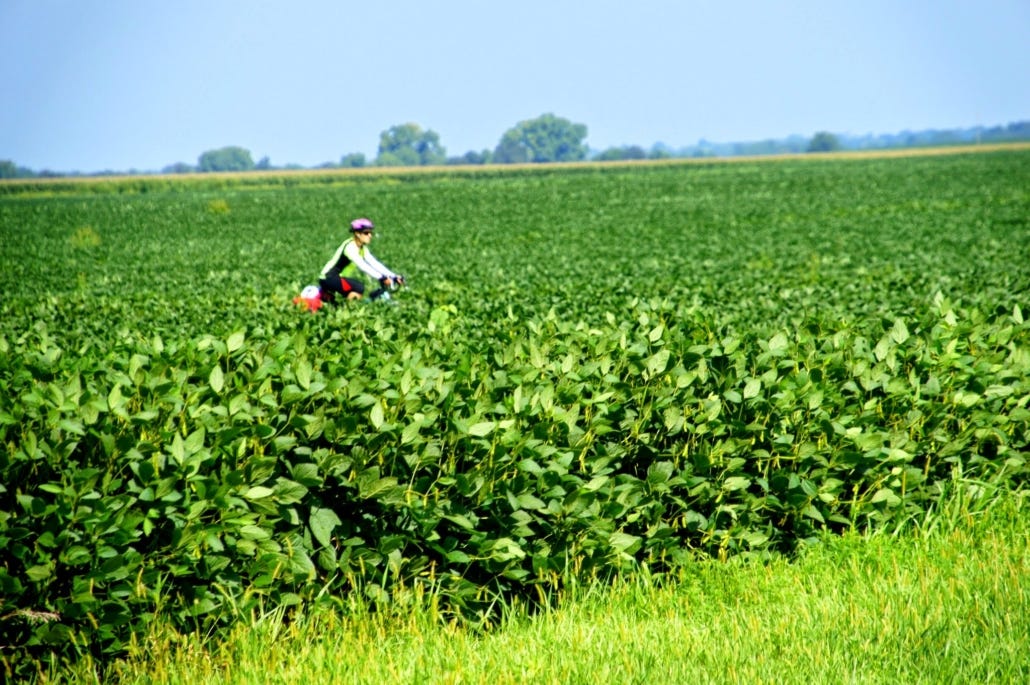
pixel 947 603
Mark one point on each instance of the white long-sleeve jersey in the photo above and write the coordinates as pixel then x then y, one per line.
pixel 350 257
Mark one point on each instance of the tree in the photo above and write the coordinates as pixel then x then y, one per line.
pixel 614 154
pixel 230 158
pixel 545 139
pixel 511 150
pixel 178 168
pixel 409 145
pixel 8 169
pixel 472 157
pixel 353 160
pixel 660 151
pixel 391 159
pixel 823 141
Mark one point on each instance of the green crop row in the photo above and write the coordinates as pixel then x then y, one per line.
pixel 591 372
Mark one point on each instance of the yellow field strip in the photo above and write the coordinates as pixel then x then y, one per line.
pixel 490 168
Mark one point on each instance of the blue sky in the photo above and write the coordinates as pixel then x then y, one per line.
pixel 93 85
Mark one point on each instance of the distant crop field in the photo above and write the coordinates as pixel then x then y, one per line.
pixel 275 178
pixel 595 368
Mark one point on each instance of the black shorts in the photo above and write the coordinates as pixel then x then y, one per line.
pixel 334 284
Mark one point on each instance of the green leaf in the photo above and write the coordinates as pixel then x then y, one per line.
pixel 235 341
pixel 252 532
pixel 658 362
pixel 531 502
pixel 899 333
pixel 756 539
pixel 115 400
pixel 76 555
pixel 736 483
pixel 458 557
pixel 461 520
pixel 376 416
pixel 895 454
pixel 293 393
pixel 73 427
pixel 506 549
pixel 216 379
pixel 482 429
pixel 306 474
pixel 322 523
pixel 369 487
pixel 303 372
pixel 885 495
pixel 38 573
pixel 195 441
pixel 518 400
pixel 660 472
pixel 288 491
pixel 811 512
pixel 410 433
pixel 623 542
pixel 177 449
pixel 258 492
pixel 778 344
pixel 883 348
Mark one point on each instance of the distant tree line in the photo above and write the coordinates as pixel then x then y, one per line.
pixel 549 138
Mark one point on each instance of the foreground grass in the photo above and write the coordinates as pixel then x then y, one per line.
pixel 947 602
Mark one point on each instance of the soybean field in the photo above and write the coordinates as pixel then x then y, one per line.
pixel 595 370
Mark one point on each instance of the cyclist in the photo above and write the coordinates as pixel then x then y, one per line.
pixel 341 274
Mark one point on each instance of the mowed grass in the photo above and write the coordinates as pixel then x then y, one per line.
pixel 947 601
